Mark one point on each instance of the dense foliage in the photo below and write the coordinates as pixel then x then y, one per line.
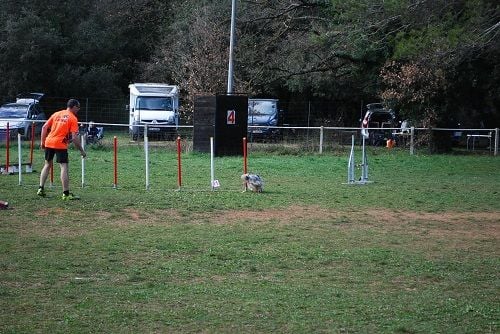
pixel 436 62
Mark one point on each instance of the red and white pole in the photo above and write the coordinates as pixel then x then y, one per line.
pixel 8 150
pixel 32 144
pixel 179 169
pixel 245 165
pixel 115 164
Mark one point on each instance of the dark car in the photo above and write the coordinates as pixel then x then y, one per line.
pixel 377 124
pixel 263 117
pixel 22 115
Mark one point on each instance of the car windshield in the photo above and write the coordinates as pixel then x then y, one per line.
pixel 261 108
pixel 13 111
pixel 154 103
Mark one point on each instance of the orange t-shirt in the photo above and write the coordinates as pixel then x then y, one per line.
pixel 62 124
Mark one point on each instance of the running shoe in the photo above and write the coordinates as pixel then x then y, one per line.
pixel 41 192
pixel 69 197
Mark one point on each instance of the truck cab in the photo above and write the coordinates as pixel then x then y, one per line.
pixel 156 106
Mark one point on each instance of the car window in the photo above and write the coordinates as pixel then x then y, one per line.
pixel 35 111
pixel 262 108
pixel 13 111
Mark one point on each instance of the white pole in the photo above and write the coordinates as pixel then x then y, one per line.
pixel 364 171
pixel 412 141
pixel 19 157
pixel 231 49
pixel 83 161
pixel 146 153
pixel 321 140
pixel 496 142
pixel 350 164
pixel 212 167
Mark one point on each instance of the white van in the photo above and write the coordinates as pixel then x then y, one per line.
pixel 155 105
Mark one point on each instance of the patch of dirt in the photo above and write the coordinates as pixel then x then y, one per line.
pixel 442 225
pixel 292 213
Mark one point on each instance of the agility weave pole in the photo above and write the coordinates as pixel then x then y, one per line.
pixel 83 161
pixel 351 165
pixel 179 167
pixel 215 184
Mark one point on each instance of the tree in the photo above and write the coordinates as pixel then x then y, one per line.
pixel 76 48
pixel 194 51
pixel 425 77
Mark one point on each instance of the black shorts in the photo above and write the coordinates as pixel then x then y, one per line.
pixel 61 155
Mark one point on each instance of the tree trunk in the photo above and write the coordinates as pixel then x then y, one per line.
pixel 439 141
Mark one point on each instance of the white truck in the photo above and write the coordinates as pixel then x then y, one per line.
pixel 155 105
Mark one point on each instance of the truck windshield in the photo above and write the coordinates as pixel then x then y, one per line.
pixel 154 103
pixel 261 108
pixel 13 111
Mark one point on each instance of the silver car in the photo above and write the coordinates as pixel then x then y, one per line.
pixel 22 116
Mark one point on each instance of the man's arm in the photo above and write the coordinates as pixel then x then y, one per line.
pixel 75 138
pixel 45 131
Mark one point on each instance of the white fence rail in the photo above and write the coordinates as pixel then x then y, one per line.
pixel 319 138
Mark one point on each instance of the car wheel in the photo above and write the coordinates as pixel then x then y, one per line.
pixel 27 134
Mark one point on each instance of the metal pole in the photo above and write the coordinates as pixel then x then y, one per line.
pixel 496 142
pixel 364 171
pixel 412 141
pixel 350 163
pixel 83 160
pixel 231 49
pixel 321 140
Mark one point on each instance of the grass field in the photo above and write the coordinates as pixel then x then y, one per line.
pixel 417 251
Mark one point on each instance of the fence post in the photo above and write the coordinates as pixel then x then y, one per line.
pixel 496 142
pixel 321 140
pixel 412 140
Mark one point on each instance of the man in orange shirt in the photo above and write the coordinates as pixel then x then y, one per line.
pixel 57 132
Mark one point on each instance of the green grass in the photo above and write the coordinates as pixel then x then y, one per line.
pixel 417 251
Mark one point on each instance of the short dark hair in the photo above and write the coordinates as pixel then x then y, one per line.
pixel 73 103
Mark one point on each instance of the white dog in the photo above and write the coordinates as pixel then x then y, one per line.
pixel 253 182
